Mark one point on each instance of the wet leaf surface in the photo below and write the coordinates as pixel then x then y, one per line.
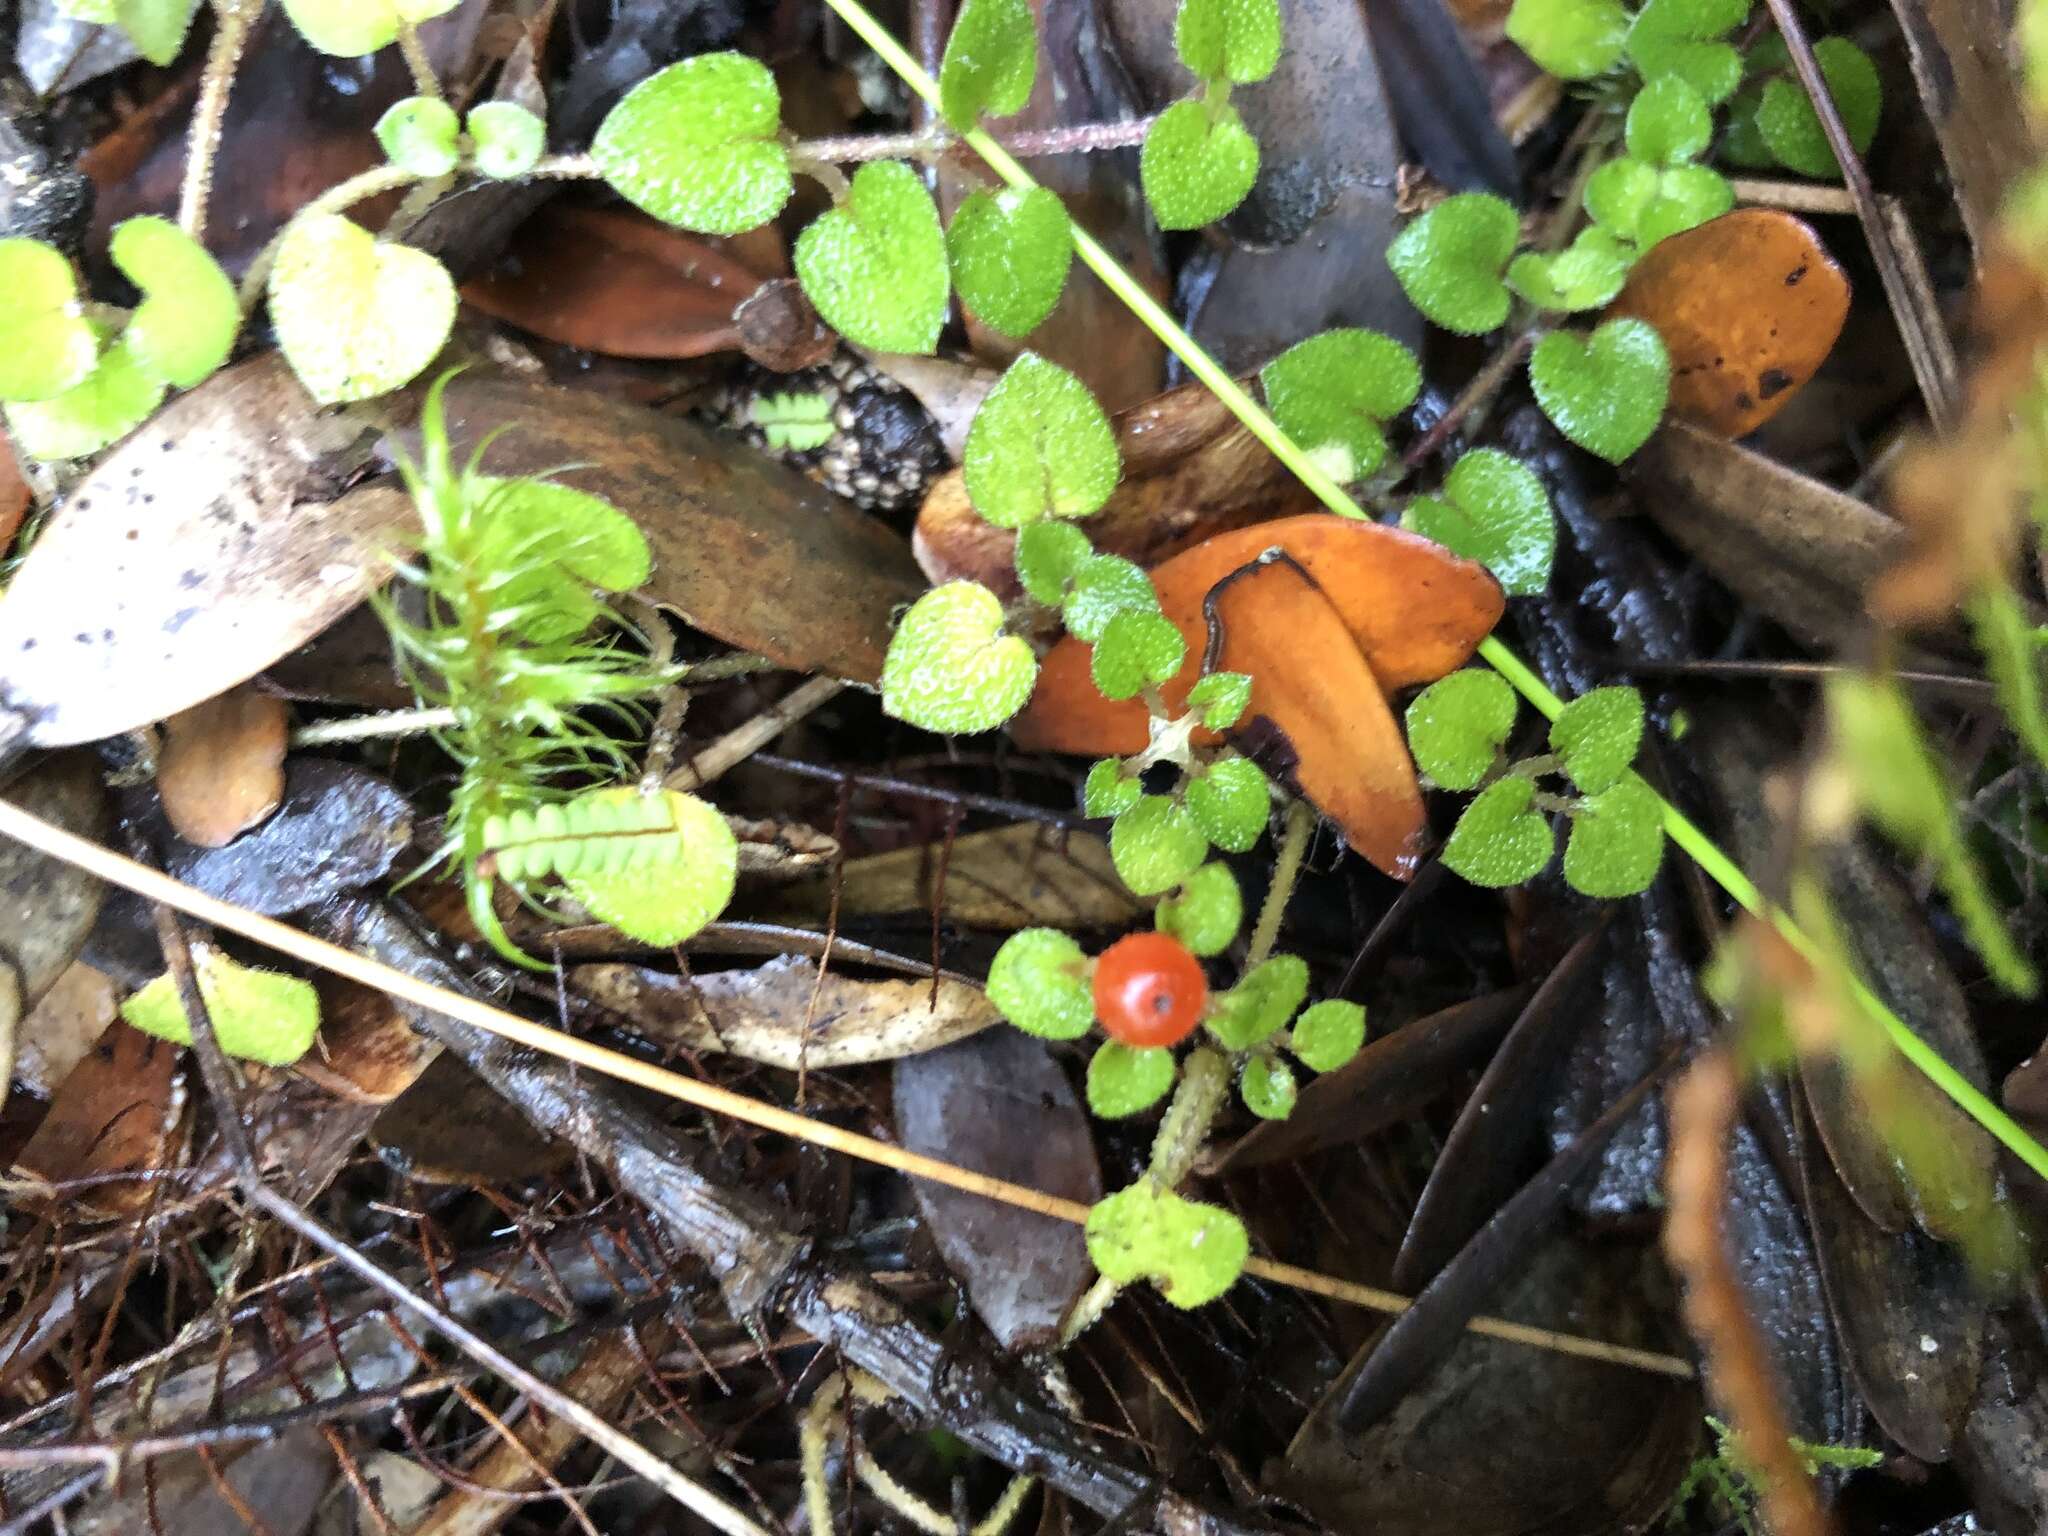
pixel 1749 306
pixel 1000 1105
pixel 780 1014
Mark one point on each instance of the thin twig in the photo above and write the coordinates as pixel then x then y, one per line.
pixel 1084 138
pixel 1474 397
pixel 743 741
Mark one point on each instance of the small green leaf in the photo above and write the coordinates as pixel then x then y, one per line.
pixel 1499 841
pixel 1457 725
pixel 1039 447
pixel 1039 982
pixel 1198 163
pixel 1607 392
pixel 1680 38
pixel 1495 511
pixel 590 540
pixel 950 667
pixel 1450 261
pixel 1634 201
pixel 1049 554
pixel 1616 842
pixel 1328 1034
pixel 1597 737
pixel 990 62
pixel 1137 650
pixel 1261 1003
pixel 186 324
pixel 1010 252
pixel 157 28
pixel 355 317
pixel 1668 122
pixel 665 900
pixel 1103 587
pixel 257 1015
pixel 1790 126
pixel 1742 142
pixel 352 28
pixel 419 135
pixel 1123 1081
pixel 1233 40
pixel 1231 803
pixel 1585 275
pixel 115 398
pixel 1267 1088
pixel 1572 39
pixel 1335 390
pixel 46 344
pixel 696 145
pixel 1206 912
pixel 1109 790
pixel 1618 192
pixel 875 266
pixel 1221 699
pixel 1156 845
pixel 795 422
pixel 1193 1252
pixel 508 139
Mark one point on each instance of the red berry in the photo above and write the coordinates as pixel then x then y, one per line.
pixel 1149 990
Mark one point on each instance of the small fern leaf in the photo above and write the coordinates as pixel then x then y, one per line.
pixel 656 867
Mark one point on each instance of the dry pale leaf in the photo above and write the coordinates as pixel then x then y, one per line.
pixel 221 768
pixel 59 1030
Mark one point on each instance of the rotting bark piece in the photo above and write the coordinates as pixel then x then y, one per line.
pixel 221 767
pixel 1749 306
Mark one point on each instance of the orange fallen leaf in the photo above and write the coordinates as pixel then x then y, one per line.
pixel 113 1114
pixel 1378 609
pixel 221 769
pixel 1749 306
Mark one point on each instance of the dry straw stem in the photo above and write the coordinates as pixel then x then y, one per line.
pixel 1703 1106
pixel 153 885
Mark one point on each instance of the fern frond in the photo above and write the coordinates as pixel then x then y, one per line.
pixel 598 833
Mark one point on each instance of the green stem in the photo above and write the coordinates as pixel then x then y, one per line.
pixel 1718 866
pixel 1301 821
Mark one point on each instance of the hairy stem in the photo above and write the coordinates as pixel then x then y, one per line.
pixel 1301 821
pixel 424 81
pixel 233 20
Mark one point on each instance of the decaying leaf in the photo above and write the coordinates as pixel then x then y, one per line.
pixel 215 545
pixel 1802 552
pixel 450 1127
pixel 744 549
pixel 55 1035
pixel 780 1014
pixel 1190 470
pixel 368 1052
pixel 114 1114
pixel 48 908
pixel 1749 306
pixel 999 1104
pixel 221 767
pixel 1011 877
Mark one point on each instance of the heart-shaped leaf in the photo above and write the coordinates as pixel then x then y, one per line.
pixel 1616 842
pixel 1585 275
pixel 1039 982
pixel 1267 1088
pixel 257 1015
pixel 46 344
pixel 1499 841
pixel 1458 724
pixel 1206 912
pixel 1450 261
pixel 1137 651
pixel 1607 392
pixel 1103 587
pixel 950 667
pixel 420 134
pixel 1597 737
pixel 1049 556
pixel 1039 447
pixel 1198 163
pixel 508 139
pixel 875 266
pixel 355 317
pixel 1668 122
pixel 697 145
pixel 1680 38
pixel 1231 802
pixel 1010 252
pixel 1572 39
pixel 1156 844
pixel 1635 201
pixel 1332 392
pixel 1193 1252
pixel 1108 790
pixel 1328 1034
pixel 1221 699
pixel 1494 511
pixel 665 900
pixel 1228 40
pixel 351 28
pixel 990 62
pixel 1261 1004
pixel 186 324
pixel 1790 126
pixel 116 397
pixel 1123 1080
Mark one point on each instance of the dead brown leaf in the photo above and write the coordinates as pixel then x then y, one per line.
pixel 114 1114
pixel 221 767
pixel 60 1029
